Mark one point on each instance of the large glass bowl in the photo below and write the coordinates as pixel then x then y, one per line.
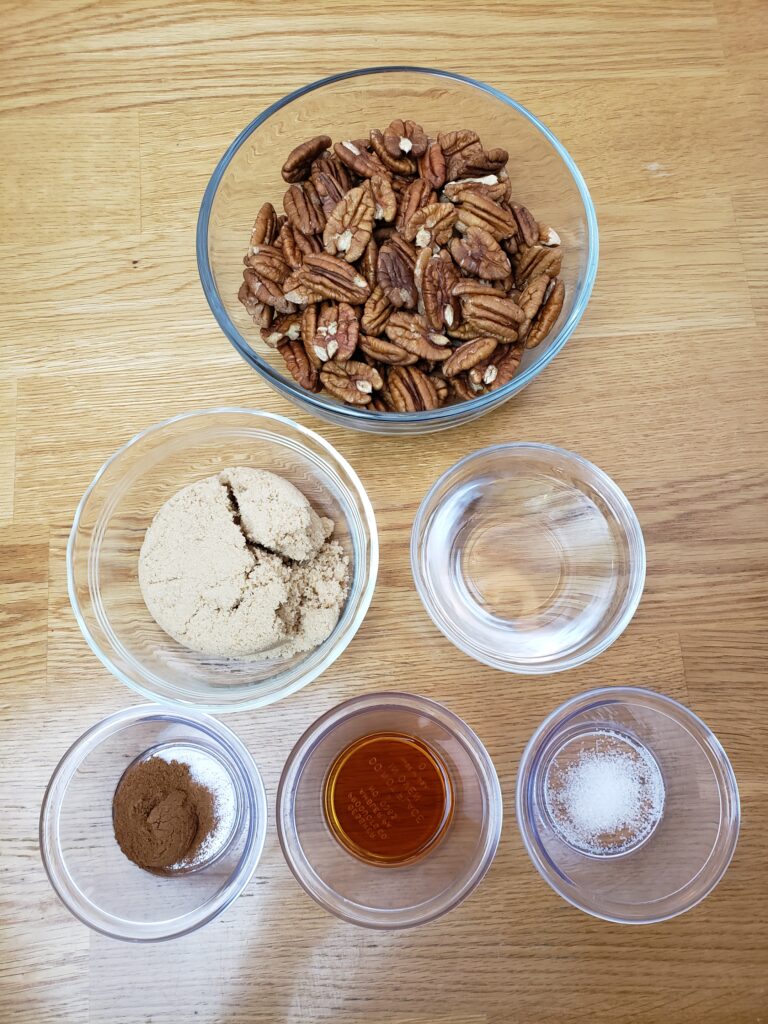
pixel 117 508
pixel 544 177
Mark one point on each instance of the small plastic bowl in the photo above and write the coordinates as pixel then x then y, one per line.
pixel 347 106
pixel 528 558
pixel 87 869
pixel 117 508
pixel 389 896
pixel 688 850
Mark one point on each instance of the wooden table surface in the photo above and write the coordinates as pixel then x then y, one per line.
pixel 112 117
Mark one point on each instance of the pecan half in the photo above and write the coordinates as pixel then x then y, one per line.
pixel 333 278
pixel 405 137
pixel 417 194
pixel 299 163
pixel 268 262
pixel 370 262
pixel 471 286
pixel 431 225
pixel 376 312
pixel 411 332
pixel 547 317
pixel 411 390
pixel 479 253
pixel 537 259
pixel 528 229
pixel 532 295
pixel 489 185
pixel 267 292
pixel 494 315
pixel 383 351
pixel 334 168
pixel 349 227
pixel 352 382
pixel 284 328
pixel 398 164
pixel 265 226
pixel 324 344
pixel 359 159
pixel 304 209
pixel 480 211
pixel 441 305
pixel 468 355
pixel 432 165
pixel 384 198
pixel 347 332
pixel 461 148
pixel 464 332
pixel 297 291
pixel 329 191
pixel 395 269
pixel 309 317
pixel 260 312
pixel 491 161
pixel 295 245
pixel 299 365
pixel 507 367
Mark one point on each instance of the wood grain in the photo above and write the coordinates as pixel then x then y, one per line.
pixel 113 115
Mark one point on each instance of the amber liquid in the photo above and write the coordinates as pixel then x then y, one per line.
pixel 388 798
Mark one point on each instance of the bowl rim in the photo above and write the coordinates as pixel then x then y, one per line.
pixel 616 694
pixel 319 404
pixel 295 764
pixel 631 528
pixel 368 520
pixel 58 874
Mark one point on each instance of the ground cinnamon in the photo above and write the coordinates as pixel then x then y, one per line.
pixel 161 816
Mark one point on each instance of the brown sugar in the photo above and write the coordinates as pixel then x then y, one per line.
pixel 161 816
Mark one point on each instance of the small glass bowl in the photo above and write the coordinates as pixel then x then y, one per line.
pixel 687 852
pixel 347 106
pixel 86 867
pixel 389 896
pixel 528 558
pixel 117 508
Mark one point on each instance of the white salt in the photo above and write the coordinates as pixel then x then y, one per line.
pixel 605 795
pixel 207 771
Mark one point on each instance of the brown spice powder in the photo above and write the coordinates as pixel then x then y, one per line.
pixel 161 816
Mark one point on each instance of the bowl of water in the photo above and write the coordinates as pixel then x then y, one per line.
pixel 528 558
pixel 628 805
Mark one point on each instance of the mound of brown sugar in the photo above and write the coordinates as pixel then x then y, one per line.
pixel 239 565
pixel 161 816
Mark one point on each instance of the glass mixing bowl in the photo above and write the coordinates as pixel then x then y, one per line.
pixel 87 869
pixel 544 178
pixel 117 508
pixel 528 558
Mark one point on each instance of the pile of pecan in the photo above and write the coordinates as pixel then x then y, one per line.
pixel 402 275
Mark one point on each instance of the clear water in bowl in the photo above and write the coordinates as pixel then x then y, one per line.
pixel 524 556
pixel 541 573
